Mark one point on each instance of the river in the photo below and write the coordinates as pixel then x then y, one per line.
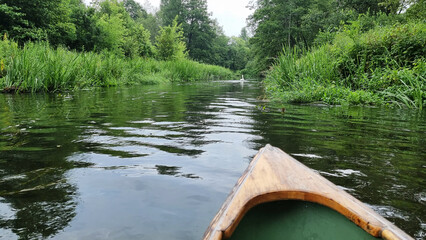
pixel 157 162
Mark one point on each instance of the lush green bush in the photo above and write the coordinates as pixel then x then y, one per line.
pixel 385 65
pixel 39 67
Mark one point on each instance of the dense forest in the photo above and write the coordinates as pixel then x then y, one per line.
pixel 333 51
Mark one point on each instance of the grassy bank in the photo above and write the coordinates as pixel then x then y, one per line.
pixel 383 66
pixel 39 67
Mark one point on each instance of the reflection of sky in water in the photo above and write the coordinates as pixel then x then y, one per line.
pixel 156 162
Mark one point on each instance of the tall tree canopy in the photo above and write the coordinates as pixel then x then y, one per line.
pixel 276 23
pixel 37 19
pixel 196 24
pixel 169 9
pixel 134 9
pixel 118 31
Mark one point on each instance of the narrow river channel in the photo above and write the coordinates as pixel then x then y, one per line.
pixel 157 162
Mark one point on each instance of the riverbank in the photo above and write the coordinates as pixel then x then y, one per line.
pixel 38 67
pixel 383 66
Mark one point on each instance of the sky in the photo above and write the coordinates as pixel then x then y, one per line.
pixel 231 14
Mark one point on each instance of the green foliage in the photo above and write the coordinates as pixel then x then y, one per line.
pixel 111 25
pixel 409 86
pixel 11 19
pixel 290 23
pixel 190 71
pixel 198 28
pixel 152 24
pixel 39 19
pixel 310 23
pixel 111 32
pixel 170 44
pixel 86 30
pixel 169 9
pixel 385 65
pixel 138 42
pixel 39 67
pixel 390 47
pixel 134 9
pixel 374 6
pixel 238 53
pixel 277 24
pixel 8 50
pixel 114 30
pixel 417 10
pixel 117 30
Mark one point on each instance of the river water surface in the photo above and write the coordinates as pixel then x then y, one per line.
pixel 157 162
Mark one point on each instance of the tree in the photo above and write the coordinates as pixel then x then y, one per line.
pixel 134 9
pixel 170 42
pixel 219 52
pixel 138 42
pixel 239 53
pixel 244 34
pixel 364 6
pixel 118 31
pixel 110 22
pixel 196 24
pixel 12 21
pixel 198 29
pixel 151 23
pixel 140 16
pixel 417 10
pixel 276 23
pixel 286 23
pixel 85 23
pixel 41 19
pixel 169 9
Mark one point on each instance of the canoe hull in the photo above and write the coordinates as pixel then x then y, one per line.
pixel 274 176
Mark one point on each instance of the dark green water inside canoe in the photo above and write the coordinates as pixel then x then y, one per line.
pixel 157 162
pixel 296 220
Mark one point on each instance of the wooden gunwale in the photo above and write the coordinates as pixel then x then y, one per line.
pixel 274 175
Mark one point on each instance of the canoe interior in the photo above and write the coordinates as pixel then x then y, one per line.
pixel 274 175
pixel 295 220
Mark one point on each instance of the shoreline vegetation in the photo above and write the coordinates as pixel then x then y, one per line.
pixel 335 52
pixel 38 67
pixel 57 45
pixel 346 52
pixel 385 65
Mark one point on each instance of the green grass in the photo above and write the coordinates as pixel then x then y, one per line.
pixel 384 66
pixel 38 67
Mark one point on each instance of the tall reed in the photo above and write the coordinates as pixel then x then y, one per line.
pixel 39 67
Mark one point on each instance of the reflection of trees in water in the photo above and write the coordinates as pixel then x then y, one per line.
pixel 40 197
pixel 173 171
pixel 34 146
pixel 40 212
